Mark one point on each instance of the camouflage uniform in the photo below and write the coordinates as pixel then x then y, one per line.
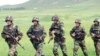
pixel 95 33
pixel 59 39
pixel 38 40
pixel 15 32
pixel 78 39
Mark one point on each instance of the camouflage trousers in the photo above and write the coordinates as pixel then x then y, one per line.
pixel 62 46
pixel 97 47
pixel 78 44
pixel 39 48
pixel 12 49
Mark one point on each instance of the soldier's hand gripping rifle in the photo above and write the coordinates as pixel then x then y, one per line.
pixel 51 37
pixel 14 40
pixel 40 38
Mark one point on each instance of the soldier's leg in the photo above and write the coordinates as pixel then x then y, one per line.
pixel 95 45
pixel 98 48
pixel 64 49
pixel 40 50
pixel 12 51
pixel 83 47
pixel 75 49
pixel 16 53
pixel 55 49
pixel 35 45
pixel 9 45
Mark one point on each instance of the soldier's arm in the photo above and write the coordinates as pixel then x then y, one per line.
pixel 72 32
pixel 29 32
pixel 83 34
pixel 83 31
pixel 44 32
pixel 62 29
pixel 91 31
pixel 50 30
pixel 20 34
pixel 51 35
pixel 3 33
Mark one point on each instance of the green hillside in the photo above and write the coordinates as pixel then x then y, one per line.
pixel 55 4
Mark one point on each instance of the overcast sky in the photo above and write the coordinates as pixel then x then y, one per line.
pixel 11 2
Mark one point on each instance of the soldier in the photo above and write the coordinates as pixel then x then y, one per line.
pixel 56 31
pixel 95 34
pixel 37 34
pixel 11 33
pixel 78 34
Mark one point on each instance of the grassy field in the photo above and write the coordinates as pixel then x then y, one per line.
pixel 23 20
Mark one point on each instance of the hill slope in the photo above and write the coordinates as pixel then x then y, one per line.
pixel 54 4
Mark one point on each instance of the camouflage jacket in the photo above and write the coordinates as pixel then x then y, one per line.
pixel 59 31
pixel 13 31
pixel 95 29
pixel 37 31
pixel 79 33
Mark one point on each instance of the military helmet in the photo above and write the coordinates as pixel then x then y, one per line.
pixel 9 18
pixel 97 20
pixel 55 18
pixel 35 19
pixel 78 21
